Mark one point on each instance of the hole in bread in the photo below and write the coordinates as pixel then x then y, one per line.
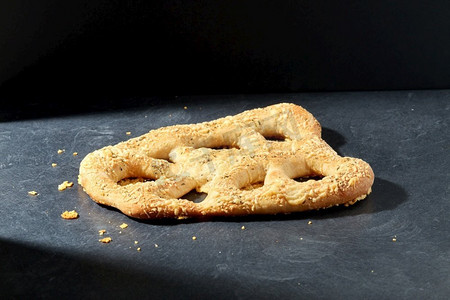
pixel 308 177
pixel 225 147
pixel 253 186
pixel 131 180
pixel 195 196
pixel 275 138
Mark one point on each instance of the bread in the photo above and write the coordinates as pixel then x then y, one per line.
pixel 246 164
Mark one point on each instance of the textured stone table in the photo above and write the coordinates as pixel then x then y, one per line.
pixel 394 244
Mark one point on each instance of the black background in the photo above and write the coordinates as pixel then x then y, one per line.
pixel 141 48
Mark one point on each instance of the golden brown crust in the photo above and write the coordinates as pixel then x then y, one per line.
pixel 229 159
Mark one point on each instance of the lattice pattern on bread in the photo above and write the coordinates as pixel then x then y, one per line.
pixel 246 164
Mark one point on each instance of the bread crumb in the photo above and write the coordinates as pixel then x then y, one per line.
pixel 243 227
pixel 102 231
pixel 64 185
pixel 309 222
pixel 60 151
pixel 138 249
pixel 123 226
pixel 135 242
pixel 75 153
pixel 128 132
pixel 156 246
pixel 105 240
pixel 54 165
pixel 185 107
pixel 32 193
pixel 69 215
pixel 194 238
pixel 394 239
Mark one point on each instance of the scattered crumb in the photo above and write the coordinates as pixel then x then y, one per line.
pixel 156 246
pixel 60 151
pixel 194 238
pixel 102 231
pixel 64 185
pixel 105 240
pixel 301 239
pixel 185 107
pixel 371 271
pixel 54 165
pixel 128 132
pixel 32 193
pixel 123 226
pixel 309 222
pixel 75 153
pixel 243 227
pixel 138 249
pixel 136 242
pixel 69 215
pixel 394 239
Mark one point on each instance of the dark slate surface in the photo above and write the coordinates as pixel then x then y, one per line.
pixel 345 252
